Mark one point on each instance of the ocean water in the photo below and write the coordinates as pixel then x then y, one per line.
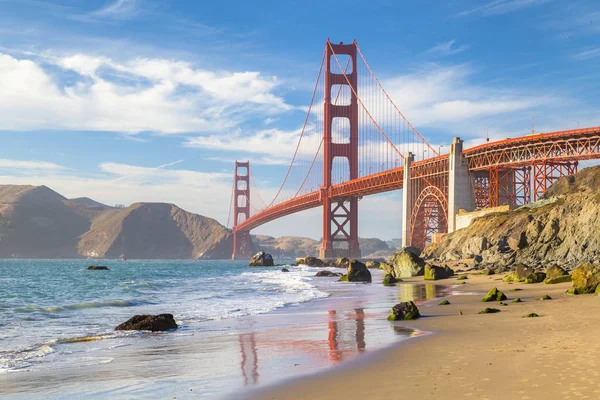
pixel 240 328
pixel 45 304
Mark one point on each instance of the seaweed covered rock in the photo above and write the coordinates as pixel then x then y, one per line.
pixel 154 323
pixel 372 264
pixel 494 295
pixel 526 274
pixel 556 275
pixel 585 278
pixel 262 259
pixel 406 263
pixel 389 279
pixel 327 273
pixel 433 272
pixel 343 278
pixel 488 271
pixel 310 261
pixel 404 311
pixel 358 272
pixel 488 310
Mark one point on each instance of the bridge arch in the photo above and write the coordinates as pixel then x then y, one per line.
pixel 429 215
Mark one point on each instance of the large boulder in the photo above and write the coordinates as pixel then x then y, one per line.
pixel 154 323
pixel 585 279
pixel 372 264
pixel 261 259
pixel 404 311
pixel 310 261
pixel 526 274
pixel 406 264
pixel 433 272
pixel 327 273
pixel 556 274
pixel 358 272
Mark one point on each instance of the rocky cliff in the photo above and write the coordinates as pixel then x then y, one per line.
pixel 562 228
pixel 37 222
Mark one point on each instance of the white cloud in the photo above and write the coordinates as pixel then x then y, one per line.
pixel 448 48
pixel 29 165
pixel 163 96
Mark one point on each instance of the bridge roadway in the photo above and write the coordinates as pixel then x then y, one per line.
pixel 563 146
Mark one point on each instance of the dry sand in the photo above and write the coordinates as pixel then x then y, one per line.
pixel 473 356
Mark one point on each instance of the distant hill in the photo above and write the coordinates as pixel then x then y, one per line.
pixel 37 222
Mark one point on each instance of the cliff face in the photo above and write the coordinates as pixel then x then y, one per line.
pixel 37 222
pixel 560 229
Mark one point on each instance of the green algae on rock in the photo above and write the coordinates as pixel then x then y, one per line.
pixel 531 315
pixel 404 311
pixel 444 303
pixel 488 310
pixel 494 295
pixel 585 279
pixel 389 279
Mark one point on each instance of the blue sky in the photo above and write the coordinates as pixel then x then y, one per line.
pixel 152 100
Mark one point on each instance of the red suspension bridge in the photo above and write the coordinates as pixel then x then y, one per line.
pixel 356 142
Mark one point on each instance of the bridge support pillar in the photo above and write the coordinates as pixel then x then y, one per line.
pixel 407 200
pixel 460 188
pixel 241 209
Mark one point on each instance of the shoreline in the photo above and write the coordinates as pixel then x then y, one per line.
pixel 493 356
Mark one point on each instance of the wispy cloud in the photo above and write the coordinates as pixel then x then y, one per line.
pixel 117 9
pixel 29 165
pixel 448 48
pixel 499 7
pixel 587 54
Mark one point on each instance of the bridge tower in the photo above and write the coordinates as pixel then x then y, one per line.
pixel 340 216
pixel 241 208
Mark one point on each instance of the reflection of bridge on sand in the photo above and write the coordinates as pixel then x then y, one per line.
pixel 341 334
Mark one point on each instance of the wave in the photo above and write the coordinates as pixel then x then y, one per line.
pixel 91 304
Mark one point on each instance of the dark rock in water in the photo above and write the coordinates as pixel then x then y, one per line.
pixel 310 261
pixel 154 323
pixel 285 270
pixel 433 272
pixel 494 295
pixel 327 273
pixel 389 279
pixel 358 272
pixel 404 311
pixel 98 268
pixel 488 310
pixel 406 263
pixel 261 259
pixel 585 279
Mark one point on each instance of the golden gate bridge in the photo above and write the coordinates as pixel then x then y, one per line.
pixel 356 142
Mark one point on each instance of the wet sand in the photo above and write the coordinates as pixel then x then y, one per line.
pixel 473 356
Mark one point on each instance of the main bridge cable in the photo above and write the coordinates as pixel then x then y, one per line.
pixel 301 134
pixel 362 104
pixel 391 101
pixel 257 192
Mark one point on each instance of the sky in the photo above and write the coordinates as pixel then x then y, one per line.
pixel 153 100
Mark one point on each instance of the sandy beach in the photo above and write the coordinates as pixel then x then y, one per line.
pixel 473 356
